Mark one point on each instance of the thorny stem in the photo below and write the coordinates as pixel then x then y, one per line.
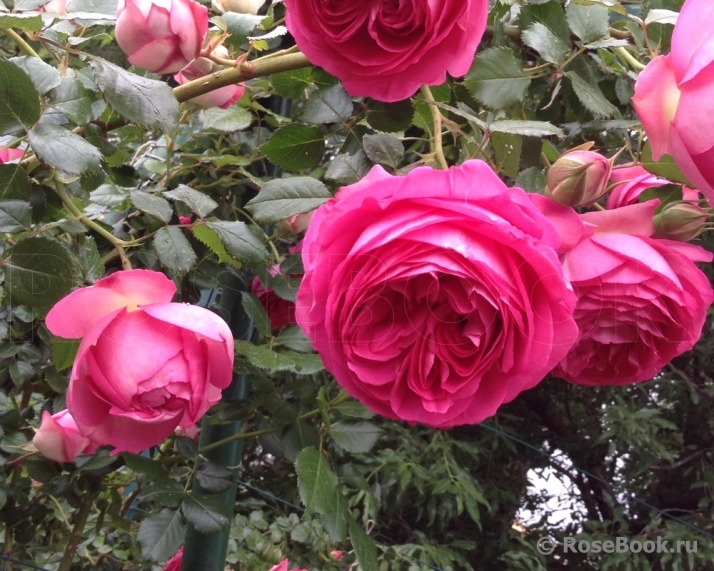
pixel 78 531
pixel 21 43
pixel 436 116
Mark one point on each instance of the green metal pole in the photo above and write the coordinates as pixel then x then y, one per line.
pixel 207 552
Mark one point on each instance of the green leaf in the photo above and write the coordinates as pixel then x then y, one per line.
pixel 282 198
pixel 210 239
pixel 28 4
pixel 21 372
pixel 497 79
pixel 546 43
pixel 92 260
pixel 39 272
pixel 206 513
pixel 151 204
pixel 550 15
pixel 336 522
pixel 174 250
pixel 144 101
pixel 64 352
pixel 531 180
pixel 255 310
pixel 15 215
pixel 664 167
pixel 213 477
pixel 235 118
pixel 14 183
pixel 383 149
pixel 348 169
pixel 93 6
pixel 354 409
pixel 161 535
pixel 73 100
pixel 169 493
pixel 295 147
pixel 64 150
pixel 109 195
pixel 297 438
pixel 588 22
pixel 526 128
pixel 390 117
pixel 316 481
pixel 19 100
pixel 44 76
pixel 240 26
pixel 294 338
pixel 262 357
pixel 364 546
pixel 355 437
pixel 293 83
pixel 586 87
pixel 27 22
pixel 328 105
pixel 508 152
pixel 198 202
pixel 239 242
pixel 147 466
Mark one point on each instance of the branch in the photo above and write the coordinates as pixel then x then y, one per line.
pixel 78 531
pixel 244 72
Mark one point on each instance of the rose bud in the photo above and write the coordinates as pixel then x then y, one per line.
pixel 336 555
pixel 680 221
pixel 299 222
pixel 222 97
pixel 578 178
pixel 240 6
pixel 161 36
pixel 59 439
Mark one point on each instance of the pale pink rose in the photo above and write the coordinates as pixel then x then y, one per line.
pixel 174 564
pixel 437 296
pixel 578 178
pixel 387 50
pixel 674 97
pixel 299 222
pixel 641 301
pixel 7 155
pixel 145 365
pixel 222 97
pixel 161 36
pixel 240 6
pixel 59 439
pixel 56 7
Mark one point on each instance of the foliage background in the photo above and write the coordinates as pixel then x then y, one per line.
pixel 113 161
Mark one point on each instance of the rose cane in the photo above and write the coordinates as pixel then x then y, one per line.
pixel 222 97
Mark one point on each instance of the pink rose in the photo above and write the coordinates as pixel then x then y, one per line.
pixel 222 97
pixel 641 301
pixel 387 50
pixel 161 36
pixel 578 178
pixel 437 296
pixel 240 6
pixel 674 97
pixel 145 365
pixel 283 566
pixel 59 439
pixel 629 183
pixel 7 155
pixel 280 311
pixel 174 564
pixel 55 7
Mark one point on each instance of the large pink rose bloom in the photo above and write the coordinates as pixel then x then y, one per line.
pixel 387 50
pixel 437 296
pixel 145 366
pixel 59 439
pixel 161 36
pixel 641 301
pixel 674 97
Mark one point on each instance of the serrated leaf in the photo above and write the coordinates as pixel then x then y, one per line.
pixel 43 75
pixel 210 239
pixel 282 198
pixel 240 26
pixel 206 513
pixel 298 437
pixel 213 477
pixel 526 128
pixel 355 437
pixel 664 167
pixel 144 101
pixel 316 481
pixel 336 522
pixel 73 100
pixel 198 202
pixel 168 493
pixel 661 17
pixel 14 183
pixel 550 14
pixel 295 147
pixel 497 79
pixel 293 83
pixel 64 150
pixel 147 466
pixel 235 118
pixel 588 22
pixel 109 195
pixel 63 352
pixel 152 204
pixel 27 22
pixel 328 105
pixel 174 250
pixel 546 43
pixel 28 4
pixel 347 169
pixel 531 180
pixel 239 242
pixel 262 357
pixel 15 215
pixel 294 338
pixel 108 7
pixel 187 447
pixel 383 149
pixel 19 100
pixel 161 535
pixel 364 546
pixel 354 409
pixel 255 310
pixel 390 117
pixel 587 89
pixel 21 372
pixel 39 272
pixel 92 260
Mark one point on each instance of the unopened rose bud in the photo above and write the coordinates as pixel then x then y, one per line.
pixel 680 221
pixel 578 178
pixel 299 222
pixel 240 6
pixel 336 555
